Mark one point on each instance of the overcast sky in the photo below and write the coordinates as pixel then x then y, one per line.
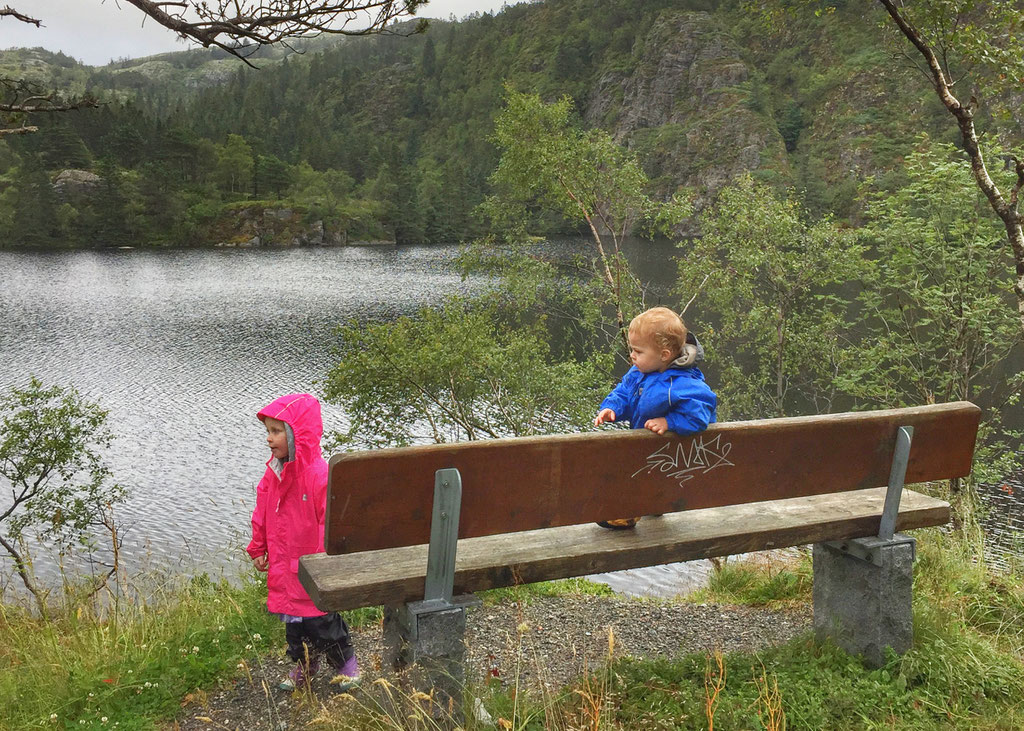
pixel 98 31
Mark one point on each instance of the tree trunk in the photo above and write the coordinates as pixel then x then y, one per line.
pixel 609 279
pixel 780 344
pixel 21 567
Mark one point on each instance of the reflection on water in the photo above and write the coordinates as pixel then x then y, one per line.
pixel 183 347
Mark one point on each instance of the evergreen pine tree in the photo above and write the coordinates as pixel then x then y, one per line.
pixel 110 206
pixel 35 217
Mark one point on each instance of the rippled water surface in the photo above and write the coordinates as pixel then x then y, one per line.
pixel 184 347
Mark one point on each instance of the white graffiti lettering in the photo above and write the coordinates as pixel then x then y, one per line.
pixel 681 464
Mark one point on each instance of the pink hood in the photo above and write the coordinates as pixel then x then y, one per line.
pixel 288 521
pixel 301 412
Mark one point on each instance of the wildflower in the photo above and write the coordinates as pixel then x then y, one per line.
pixel 248 647
pixel 257 637
pixel 148 684
pixel 90 695
pixel 53 717
pixel 103 719
pixel 220 628
pixel 194 649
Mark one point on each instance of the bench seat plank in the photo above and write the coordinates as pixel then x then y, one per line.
pixel 396 575
pixel 383 498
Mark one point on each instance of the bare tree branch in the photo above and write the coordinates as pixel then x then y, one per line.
pixel 1018 167
pixel 23 130
pixel 8 11
pixel 239 27
pixel 19 97
pixel 47 104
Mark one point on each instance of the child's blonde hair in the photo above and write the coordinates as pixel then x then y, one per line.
pixel 663 326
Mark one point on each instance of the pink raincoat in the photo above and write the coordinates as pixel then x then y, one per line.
pixel 288 521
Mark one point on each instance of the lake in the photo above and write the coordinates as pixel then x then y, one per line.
pixel 184 347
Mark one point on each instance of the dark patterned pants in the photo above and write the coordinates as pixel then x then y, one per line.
pixel 327 635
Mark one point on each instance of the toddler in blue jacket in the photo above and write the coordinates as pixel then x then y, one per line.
pixel 663 390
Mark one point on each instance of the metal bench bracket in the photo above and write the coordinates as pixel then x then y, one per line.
pixel 868 549
pixel 897 473
pixel 444 539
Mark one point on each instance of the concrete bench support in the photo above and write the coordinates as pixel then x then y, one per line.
pixel 862 595
pixel 863 586
pixel 426 641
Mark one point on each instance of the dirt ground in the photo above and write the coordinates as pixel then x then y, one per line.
pixel 540 645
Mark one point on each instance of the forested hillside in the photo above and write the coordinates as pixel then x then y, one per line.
pixel 387 138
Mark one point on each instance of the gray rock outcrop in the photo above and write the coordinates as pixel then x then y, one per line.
pixel 689 108
pixel 71 184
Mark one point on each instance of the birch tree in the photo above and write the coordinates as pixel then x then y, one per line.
pixel 970 50
pixel 55 484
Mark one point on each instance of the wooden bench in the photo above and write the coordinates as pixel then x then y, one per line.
pixel 414 528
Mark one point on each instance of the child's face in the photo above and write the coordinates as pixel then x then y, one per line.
pixel 646 355
pixel 277 437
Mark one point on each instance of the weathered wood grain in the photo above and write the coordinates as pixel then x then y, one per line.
pixel 383 498
pixel 393 576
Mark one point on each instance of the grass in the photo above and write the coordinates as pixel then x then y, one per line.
pixel 92 668
pixel 526 593
pixel 755 584
pixel 966 669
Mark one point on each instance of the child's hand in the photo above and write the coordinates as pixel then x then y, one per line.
pixel 658 426
pixel 604 415
pixel 262 563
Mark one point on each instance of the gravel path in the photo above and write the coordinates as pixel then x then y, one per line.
pixel 545 643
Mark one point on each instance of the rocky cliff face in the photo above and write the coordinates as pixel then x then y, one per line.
pixel 253 225
pixel 689 108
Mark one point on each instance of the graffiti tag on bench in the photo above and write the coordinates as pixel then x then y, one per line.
pixel 682 462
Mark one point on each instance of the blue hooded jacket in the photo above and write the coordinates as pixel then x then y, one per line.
pixel 679 394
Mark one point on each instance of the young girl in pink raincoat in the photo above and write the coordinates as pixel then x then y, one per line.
pixel 288 523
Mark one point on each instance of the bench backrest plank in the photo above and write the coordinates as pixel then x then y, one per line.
pixel 383 498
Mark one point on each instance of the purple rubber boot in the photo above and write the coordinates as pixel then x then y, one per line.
pixel 347 676
pixel 299 675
